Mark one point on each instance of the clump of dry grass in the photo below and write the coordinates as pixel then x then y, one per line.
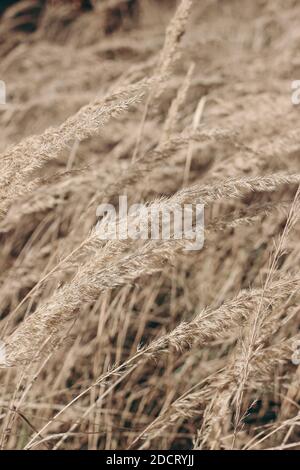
pixel 116 344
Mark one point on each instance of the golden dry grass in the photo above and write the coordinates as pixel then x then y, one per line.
pixel 123 344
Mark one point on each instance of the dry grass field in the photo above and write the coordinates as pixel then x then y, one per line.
pixel 142 344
